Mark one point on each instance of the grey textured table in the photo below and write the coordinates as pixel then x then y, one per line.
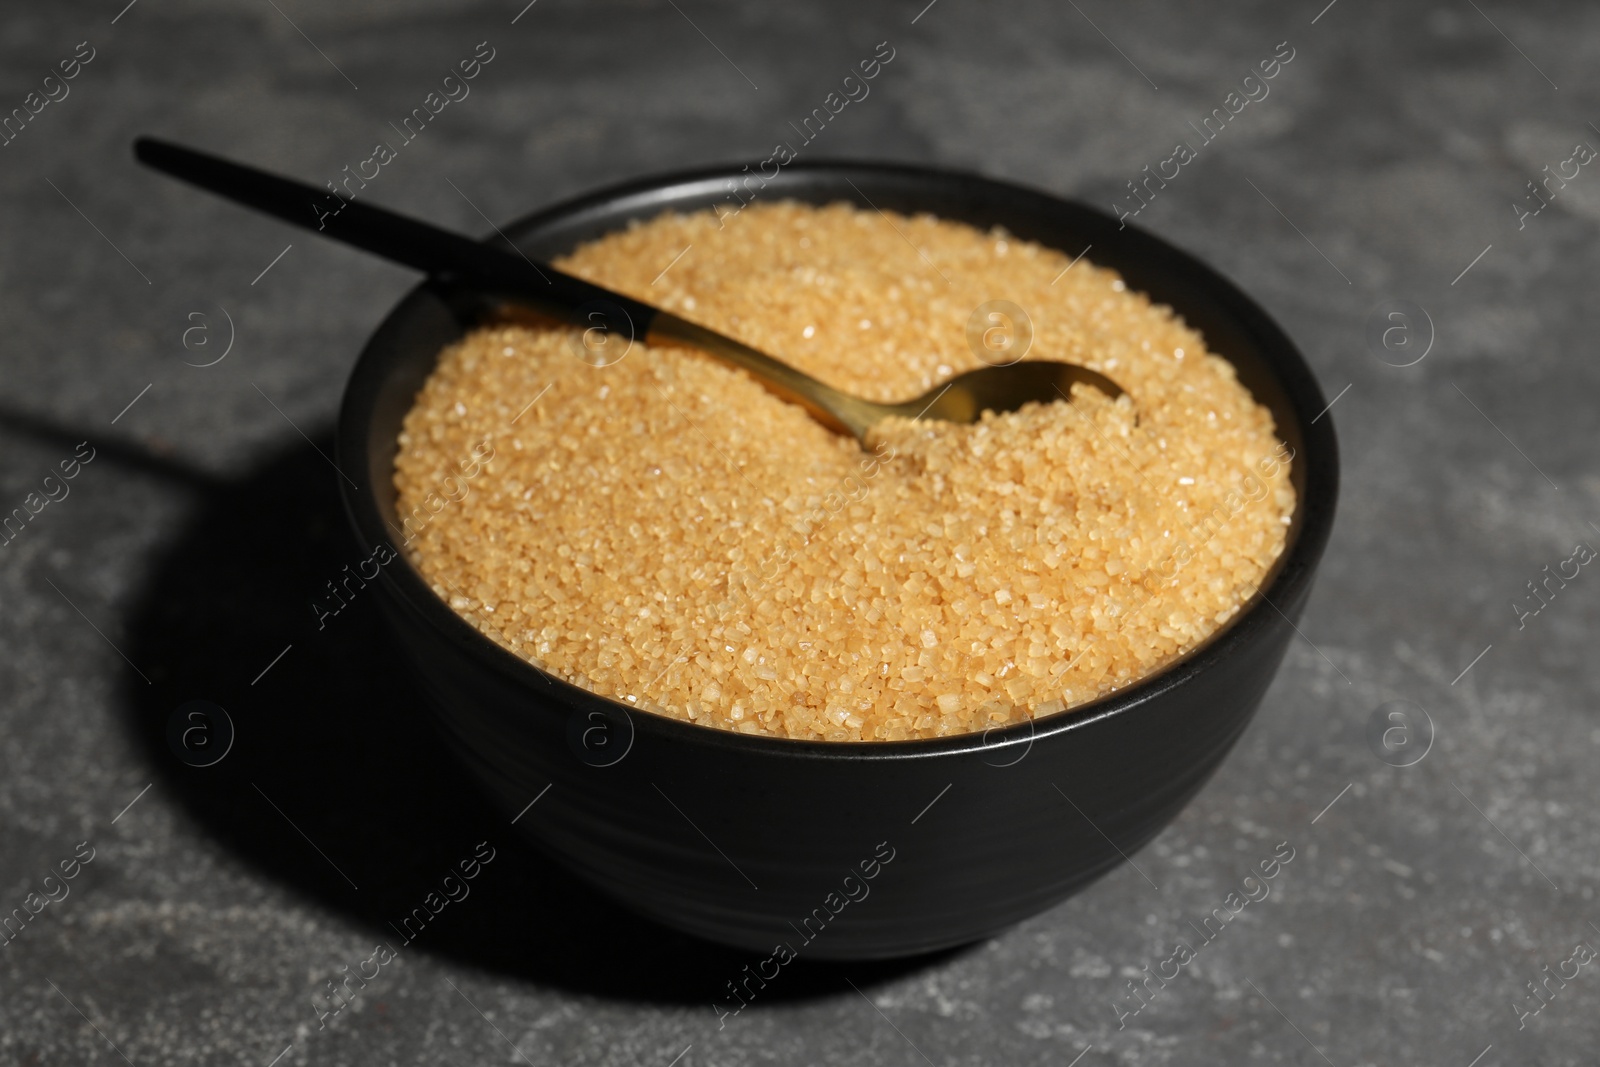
pixel 1385 164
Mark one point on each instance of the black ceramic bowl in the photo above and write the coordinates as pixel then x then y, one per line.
pixel 844 850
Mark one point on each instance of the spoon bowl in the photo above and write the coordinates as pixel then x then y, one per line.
pixel 967 396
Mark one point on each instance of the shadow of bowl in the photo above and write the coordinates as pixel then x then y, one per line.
pixel 335 783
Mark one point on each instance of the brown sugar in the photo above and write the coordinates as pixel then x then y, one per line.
pixel 664 531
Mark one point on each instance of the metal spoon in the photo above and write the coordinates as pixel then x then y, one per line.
pixel 457 259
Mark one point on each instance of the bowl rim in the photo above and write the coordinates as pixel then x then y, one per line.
pixel 1287 581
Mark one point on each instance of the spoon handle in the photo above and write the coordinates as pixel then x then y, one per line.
pixel 445 255
pixel 838 411
pixel 460 260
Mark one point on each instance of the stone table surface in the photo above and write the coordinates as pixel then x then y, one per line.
pixel 1387 163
